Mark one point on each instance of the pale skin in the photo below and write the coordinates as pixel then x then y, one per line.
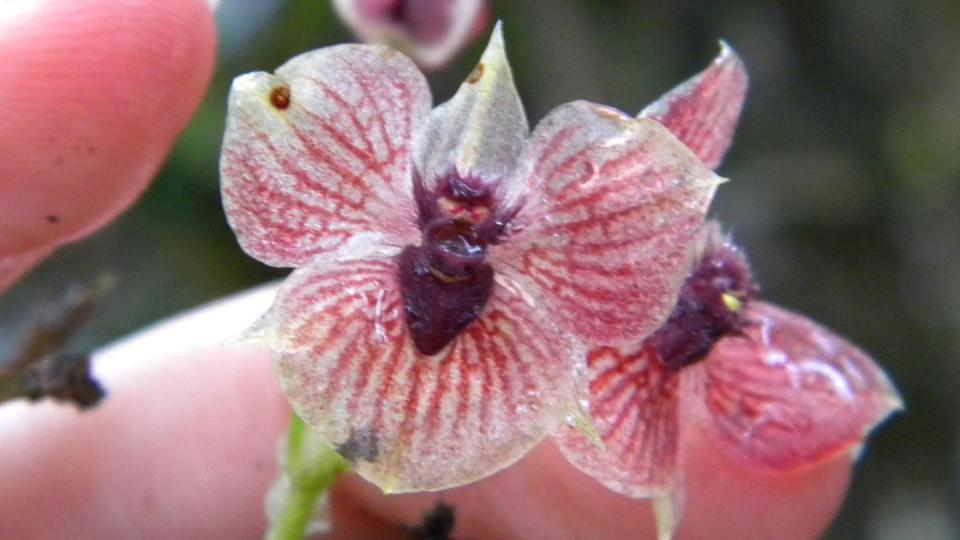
pixel 184 445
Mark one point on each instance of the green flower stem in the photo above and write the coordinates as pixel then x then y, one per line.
pixel 308 468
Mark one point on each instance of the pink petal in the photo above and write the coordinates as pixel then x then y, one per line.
pixel 791 393
pixel 609 209
pixel 328 163
pixel 431 31
pixel 480 132
pixel 703 111
pixel 634 403
pixel 410 422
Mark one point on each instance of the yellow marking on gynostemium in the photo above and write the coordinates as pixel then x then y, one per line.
pixel 732 302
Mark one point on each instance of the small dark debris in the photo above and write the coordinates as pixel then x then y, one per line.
pixel 53 218
pixel 437 524
pixel 476 74
pixel 362 444
pixel 63 377
pixel 41 368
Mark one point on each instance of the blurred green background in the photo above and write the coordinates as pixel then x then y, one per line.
pixel 845 189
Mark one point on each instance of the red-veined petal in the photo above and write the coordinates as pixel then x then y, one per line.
pixel 318 155
pixel 480 132
pixel 791 393
pixel 345 359
pixel 610 209
pixel 635 407
pixel 703 111
pixel 431 31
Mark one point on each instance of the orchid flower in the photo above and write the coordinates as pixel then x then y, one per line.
pixel 451 267
pixel 772 389
pixel 430 31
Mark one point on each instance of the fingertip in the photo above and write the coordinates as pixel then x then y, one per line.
pixel 749 503
pixel 14 266
pixel 544 497
pixel 92 94
pixel 539 497
pixel 184 445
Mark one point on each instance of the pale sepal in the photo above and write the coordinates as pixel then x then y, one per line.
pixel 480 132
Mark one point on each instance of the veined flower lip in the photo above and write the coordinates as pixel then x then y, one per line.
pixel 322 180
pixel 782 394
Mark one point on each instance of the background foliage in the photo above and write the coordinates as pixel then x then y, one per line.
pixel 845 189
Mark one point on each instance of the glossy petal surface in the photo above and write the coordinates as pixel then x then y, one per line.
pixel 431 31
pixel 610 209
pixel 318 155
pixel 791 393
pixel 480 132
pixel 703 111
pixel 410 422
pixel 635 405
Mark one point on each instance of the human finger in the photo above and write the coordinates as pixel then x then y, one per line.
pixel 92 95
pixel 185 445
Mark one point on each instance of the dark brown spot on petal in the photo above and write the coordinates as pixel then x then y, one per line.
pixel 280 97
pixel 53 218
pixel 362 444
pixel 475 74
